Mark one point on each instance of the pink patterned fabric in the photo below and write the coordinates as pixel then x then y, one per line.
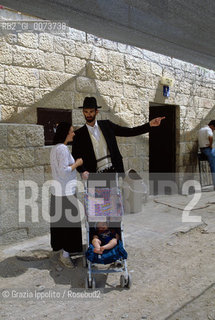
pixel 103 202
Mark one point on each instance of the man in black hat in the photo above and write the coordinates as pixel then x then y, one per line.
pixel 96 143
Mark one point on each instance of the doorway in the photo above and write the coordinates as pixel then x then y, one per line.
pixel 162 149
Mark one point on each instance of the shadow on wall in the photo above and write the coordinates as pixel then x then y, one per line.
pixel 66 96
pixel 61 97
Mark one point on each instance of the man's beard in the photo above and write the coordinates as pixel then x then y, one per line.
pixel 91 119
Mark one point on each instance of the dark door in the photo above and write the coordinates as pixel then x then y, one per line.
pixel 162 147
pixel 49 118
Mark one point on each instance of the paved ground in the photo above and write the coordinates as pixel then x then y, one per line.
pixel 171 263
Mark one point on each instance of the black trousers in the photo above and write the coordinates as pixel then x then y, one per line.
pixel 65 226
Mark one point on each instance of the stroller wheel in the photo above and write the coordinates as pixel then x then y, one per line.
pixel 93 283
pixel 122 281
pixel 88 283
pixel 128 282
pixel 85 264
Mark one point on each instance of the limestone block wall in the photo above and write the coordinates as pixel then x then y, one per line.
pixel 47 70
pixel 41 69
pixel 22 157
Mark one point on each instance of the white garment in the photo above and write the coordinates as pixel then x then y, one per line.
pixel 203 135
pixel 65 180
pixel 95 131
pixel 100 147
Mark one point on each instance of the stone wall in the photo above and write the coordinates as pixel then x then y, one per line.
pixel 22 157
pixel 59 70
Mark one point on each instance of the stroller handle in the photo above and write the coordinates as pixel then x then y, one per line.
pixel 116 178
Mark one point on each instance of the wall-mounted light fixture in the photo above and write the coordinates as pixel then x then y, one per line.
pixel 166 82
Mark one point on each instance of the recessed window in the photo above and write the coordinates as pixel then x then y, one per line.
pixel 50 118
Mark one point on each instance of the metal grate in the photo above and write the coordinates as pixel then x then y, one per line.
pixel 204 171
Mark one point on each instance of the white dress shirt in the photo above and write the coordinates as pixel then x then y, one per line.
pixel 94 130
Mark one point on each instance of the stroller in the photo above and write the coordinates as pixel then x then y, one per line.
pixel 105 205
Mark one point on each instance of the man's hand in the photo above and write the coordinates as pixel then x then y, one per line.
pixel 85 175
pixel 156 121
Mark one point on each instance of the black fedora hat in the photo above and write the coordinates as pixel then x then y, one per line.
pixel 90 102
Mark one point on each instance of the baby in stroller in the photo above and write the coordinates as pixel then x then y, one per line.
pixel 104 238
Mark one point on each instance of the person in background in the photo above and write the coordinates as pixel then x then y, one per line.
pixel 205 140
pixel 66 235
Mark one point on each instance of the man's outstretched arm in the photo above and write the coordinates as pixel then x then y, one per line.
pixel 135 131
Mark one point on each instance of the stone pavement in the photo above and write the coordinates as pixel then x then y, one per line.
pixel 161 217
pixel 167 271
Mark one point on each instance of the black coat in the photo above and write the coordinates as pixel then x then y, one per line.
pixel 82 146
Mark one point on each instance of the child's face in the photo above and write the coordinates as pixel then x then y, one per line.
pixel 102 226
